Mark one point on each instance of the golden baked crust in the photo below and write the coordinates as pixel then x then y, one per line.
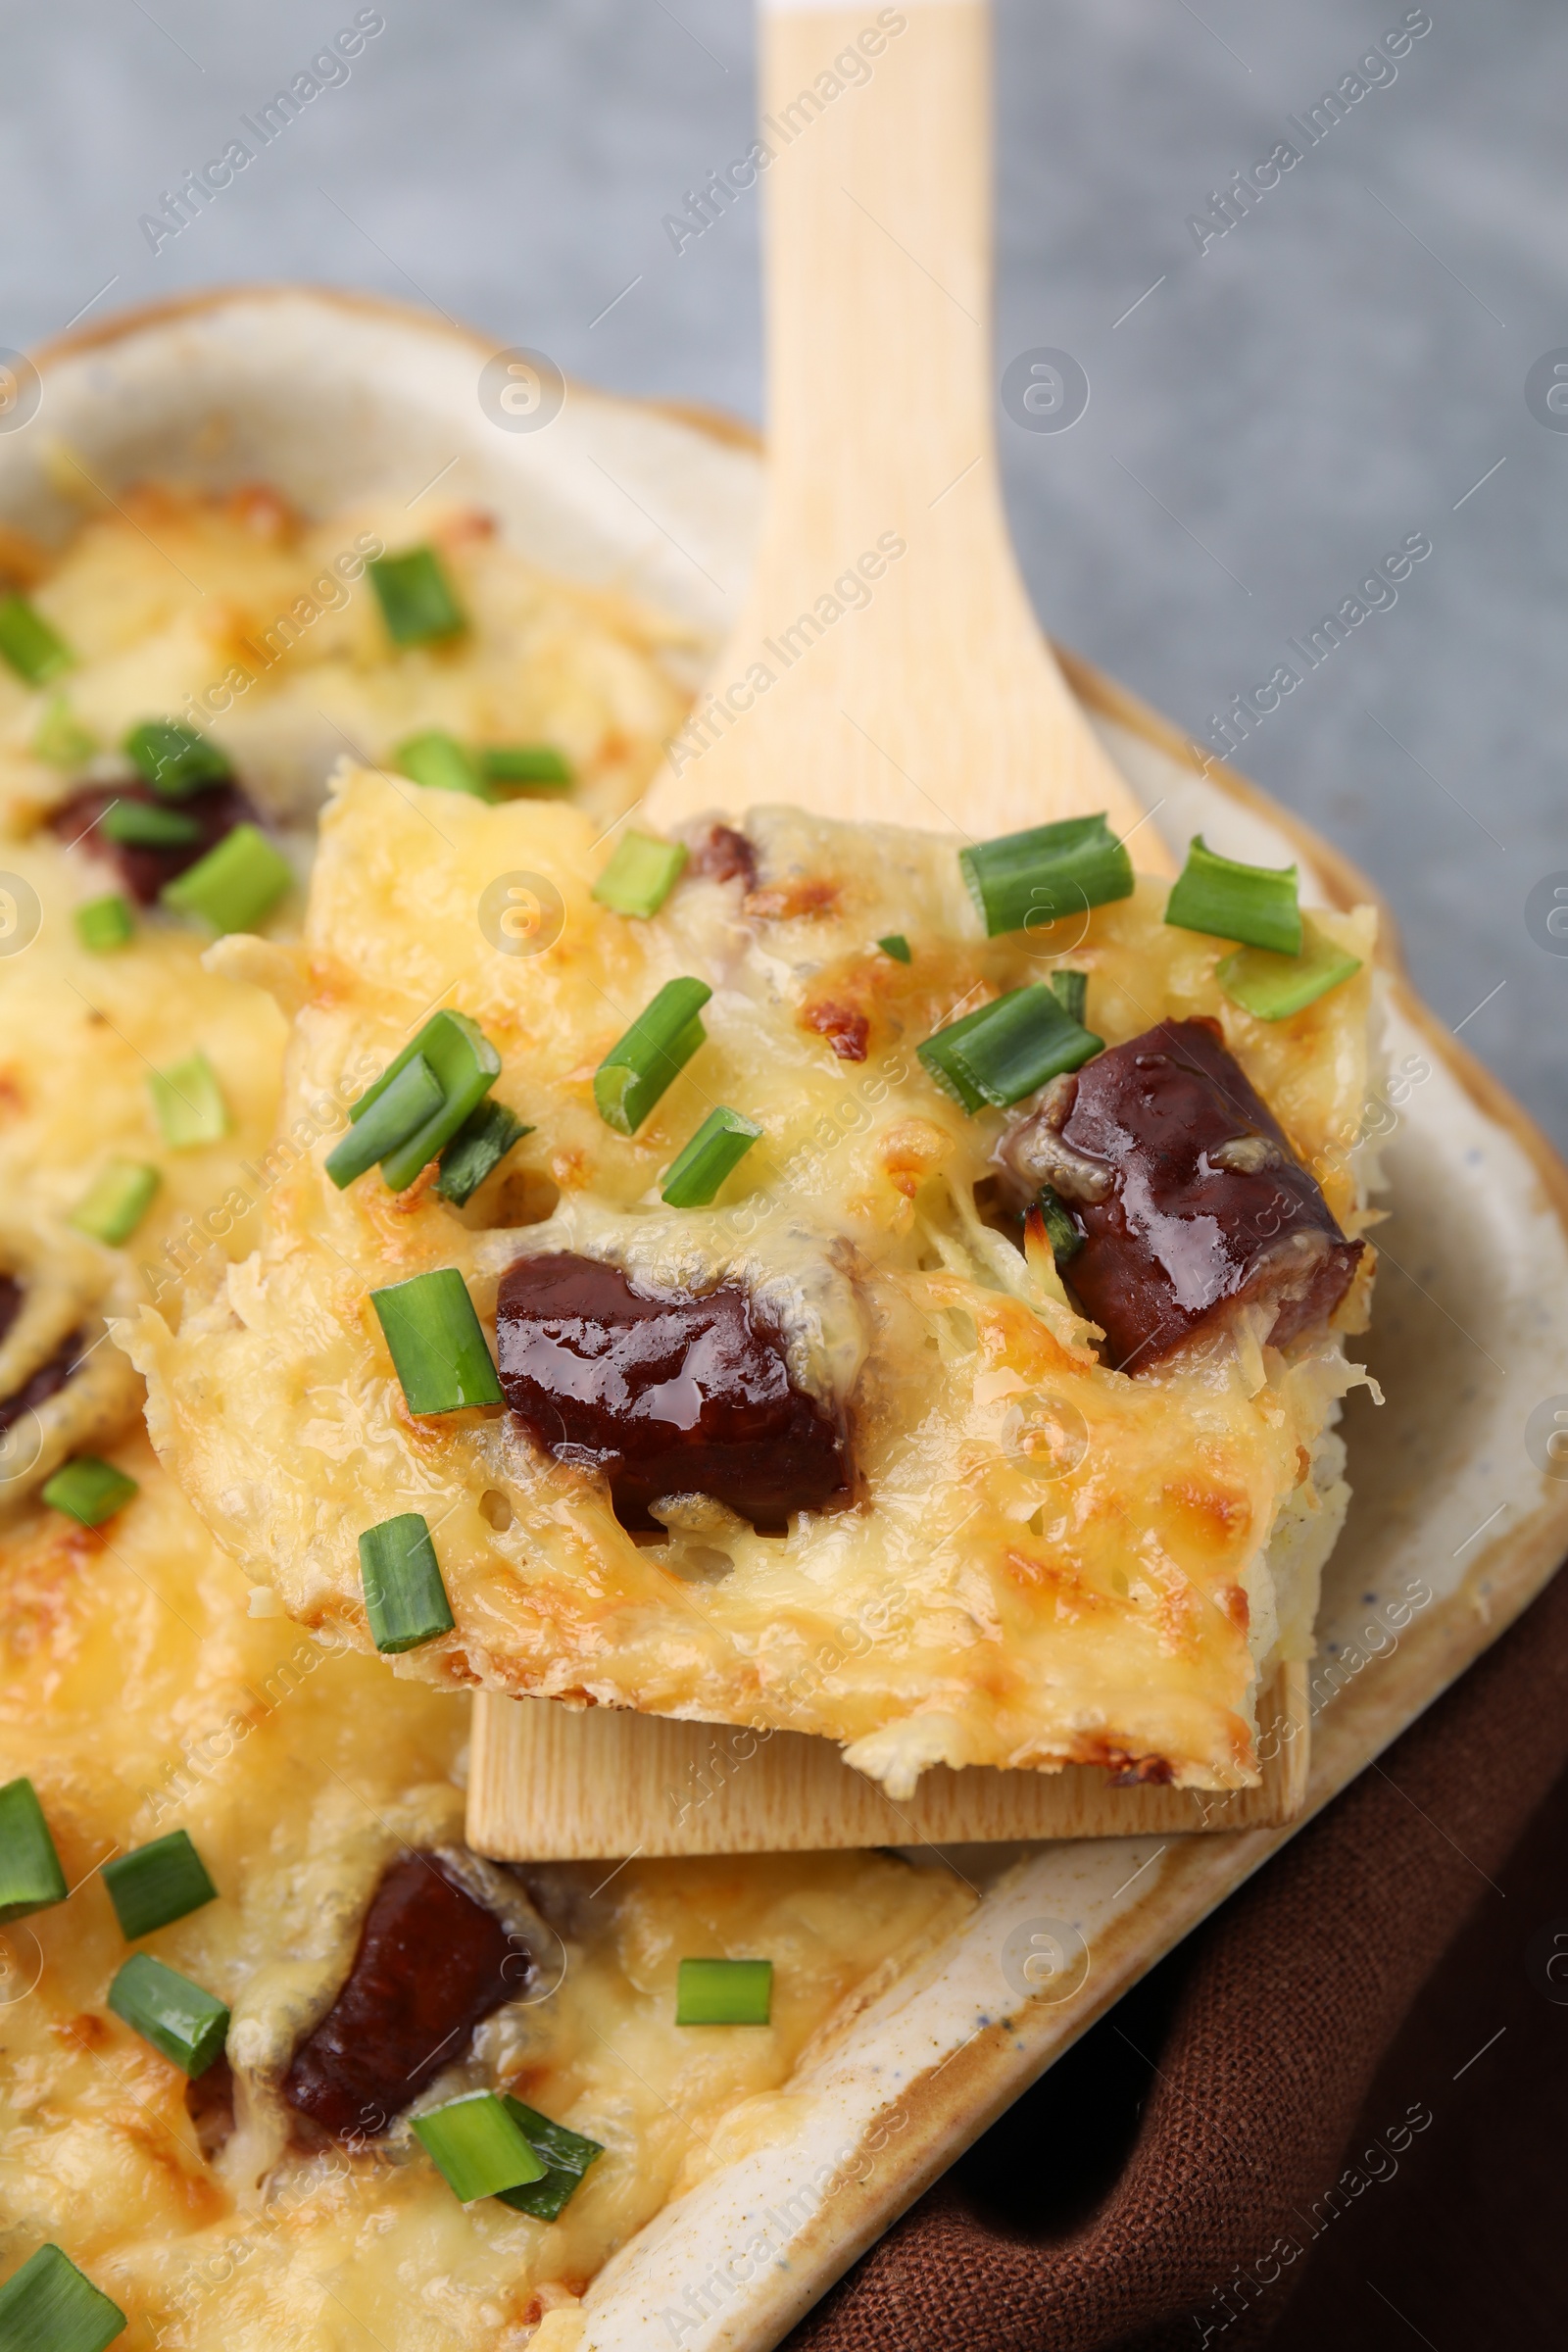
pixel 1046 1562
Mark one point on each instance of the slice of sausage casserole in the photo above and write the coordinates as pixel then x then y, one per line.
pixel 262 1832
pixel 803 1275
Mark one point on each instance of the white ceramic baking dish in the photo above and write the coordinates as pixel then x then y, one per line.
pixel 1460 1514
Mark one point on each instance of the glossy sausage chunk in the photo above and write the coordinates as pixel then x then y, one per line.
pixel 665 1392
pixel 430 1965
pixel 1188 1196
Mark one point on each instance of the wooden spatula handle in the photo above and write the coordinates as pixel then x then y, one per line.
pixel 886 663
pixel 878 209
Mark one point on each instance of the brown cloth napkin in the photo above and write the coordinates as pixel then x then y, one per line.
pixel 1267 2157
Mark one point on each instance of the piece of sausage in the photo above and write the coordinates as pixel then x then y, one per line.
pixel 1189 1200
pixel 214 812
pixel 49 1377
pixel 722 855
pixel 432 1963
pixel 664 1392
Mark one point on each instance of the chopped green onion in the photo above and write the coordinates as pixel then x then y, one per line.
pixel 1254 904
pixel 478 2146
pixel 155 1884
pixel 189 1103
pixel 721 1141
pixel 186 2023
pixel 519 766
pixel 104 924
pixel 400 1109
pixel 89 1489
pixel 655 1049
pixel 1071 992
pixel 725 1992
pixel 30 1876
pixel 1005 1049
pixel 566 2156
pixel 895 946
pixel 137 825
pixel 1273 987
pixel 174 758
pixel 1060 1232
pixel 50 2306
pixel 466 1063
pixel 437 1346
pixel 441 761
pixel 117 1200
pixel 415 597
pixel 478 1148
pixel 34 651
pixel 61 739
pixel 641 874
pixel 235 884
pixel 1023 881
pixel 405 1598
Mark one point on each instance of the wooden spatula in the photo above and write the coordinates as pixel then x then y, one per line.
pixel 937 704
pixel 887 665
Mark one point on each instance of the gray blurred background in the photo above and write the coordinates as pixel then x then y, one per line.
pixel 1343 369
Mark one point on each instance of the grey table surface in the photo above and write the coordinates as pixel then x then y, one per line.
pixel 1268 416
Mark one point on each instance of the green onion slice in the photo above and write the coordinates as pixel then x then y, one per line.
pixel 30 1876
pixel 566 2156
pixel 518 767
pixel 89 1489
pixel 50 2306
pixel 466 1065
pixel 725 1992
pixel 189 1103
pixel 1023 881
pixel 36 651
pixel 174 759
pixel 441 761
pixel 186 2023
pixel 655 1049
pixel 478 2146
pixel 477 1149
pixel 1060 1232
pixel 235 884
pixel 104 924
pixel 436 1344
pixel 400 1109
pixel 895 946
pixel 117 1200
pixel 1254 904
pixel 139 826
pixel 1005 1049
pixel 1071 992
pixel 405 1598
pixel 61 739
pixel 1273 987
pixel 155 1884
pixel 415 597
pixel 721 1141
pixel 641 874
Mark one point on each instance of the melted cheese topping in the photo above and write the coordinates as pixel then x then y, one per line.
pixel 234 616
pixel 140 1697
pixel 1049 1563
pixel 158 598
